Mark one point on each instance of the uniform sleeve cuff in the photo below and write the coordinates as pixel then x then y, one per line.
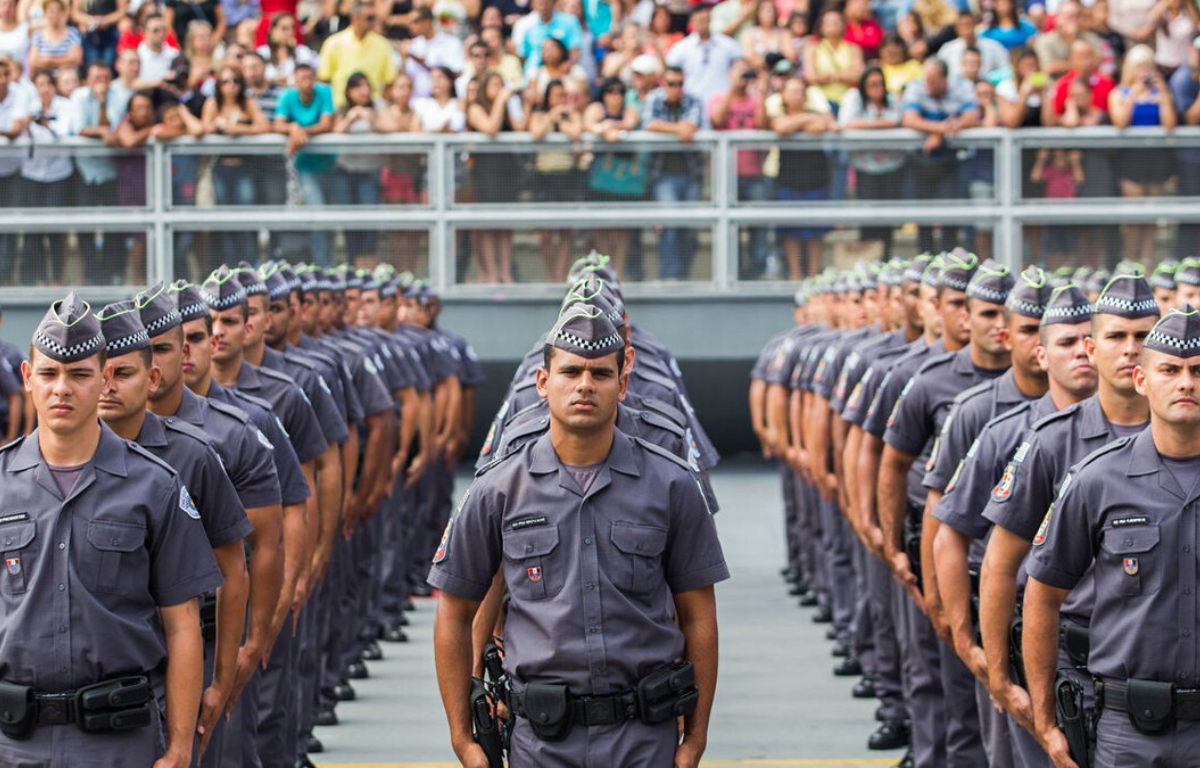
pixel 697 579
pixel 1051 576
pixel 190 589
pixel 456 586
pixel 231 534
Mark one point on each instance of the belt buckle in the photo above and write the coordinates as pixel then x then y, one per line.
pixel 56 709
pixel 598 711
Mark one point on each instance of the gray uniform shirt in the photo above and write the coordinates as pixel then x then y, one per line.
pixel 86 574
pixel 591 576
pixel 1122 509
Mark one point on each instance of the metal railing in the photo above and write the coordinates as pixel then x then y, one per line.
pixel 438 197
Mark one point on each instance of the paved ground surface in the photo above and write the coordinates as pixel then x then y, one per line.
pixel 777 702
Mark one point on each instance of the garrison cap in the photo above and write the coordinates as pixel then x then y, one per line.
pixel 69 332
pixel 958 267
pixel 366 280
pixel 1095 282
pixel 1188 272
pixel 1080 275
pixel 335 277
pixel 584 330
pixel 916 267
pixel 1128 296
pixel 309 278
pixel 223 290
pixel 583 293
pixel 1164 275
pixel 932 275
pixel 352 277
pixel 1068 305
pixel 1030 294
pixel 992 282
pixel 892 273
pixel 866 274
pixel 278 286
pixel 1177 333
pixel 158 310
pixel 188 301
pixel 388 288
pixel 250 280
pixel 123 330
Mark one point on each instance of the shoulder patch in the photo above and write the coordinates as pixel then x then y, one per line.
pixel 954 478
pixel 444 544
pixel 1040 537
pixel 187 505
pixel 1003 490
pixel 262 438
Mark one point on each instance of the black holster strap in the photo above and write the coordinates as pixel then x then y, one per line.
pixel 590 710
pixel 1076 642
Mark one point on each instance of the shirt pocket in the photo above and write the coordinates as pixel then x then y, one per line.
pixel 638 569
pixel 17 544
pixel 111 548
pixel 535 562
pixel 1133 565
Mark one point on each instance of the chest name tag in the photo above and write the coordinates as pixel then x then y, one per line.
pixel 529 522
pixel 14 518
pixel 1142 520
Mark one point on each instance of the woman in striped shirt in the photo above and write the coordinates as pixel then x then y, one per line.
pixel 56 44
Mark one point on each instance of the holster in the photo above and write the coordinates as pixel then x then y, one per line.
pixel 1076 642
pixel 912 544
pixel 1016 655
pixel 18 715
pixel 208 617
pixel 483 721
pixel 1072 719
pixel 121 704
pixel 1149 704
pixel 548 709
pixel 668 693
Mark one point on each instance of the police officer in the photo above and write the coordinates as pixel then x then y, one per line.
pixel 1124 314
pixel 105 556
pixel 1126 513
pixel 1162 280
pixel 635 535
pixel 187 451
pixel 958 548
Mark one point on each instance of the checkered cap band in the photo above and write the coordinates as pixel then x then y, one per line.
pixel 157 309
pixel 1069 305
pixel 585 330
pixel 1177 333
pixel 987 293
pixel 1127 296
pixel 1164 280
pixel 121 323
pixel 64 353
pixel 222 302
pixel 1188 272
pixel 1114 305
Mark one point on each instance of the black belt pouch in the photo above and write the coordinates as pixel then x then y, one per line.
pixel 17 712
pixel 668 693
pixel 1149 705
pixel 547 707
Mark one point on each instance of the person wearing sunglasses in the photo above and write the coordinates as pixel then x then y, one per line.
pixel 358 48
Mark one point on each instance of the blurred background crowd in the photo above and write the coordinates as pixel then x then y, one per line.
pixel 124 72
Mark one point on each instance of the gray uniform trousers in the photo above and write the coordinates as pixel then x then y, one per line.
pixel 993 730
pixel 630 745
pixel 791 514
pixel 215 749
pixel 810 519
pixel 922 682
pixel 393 578
pixel 964 744
pixel 241 734
pixel 277 703
pixel 51 746
pixel 836 546
pixel 862 631
pixel 881 589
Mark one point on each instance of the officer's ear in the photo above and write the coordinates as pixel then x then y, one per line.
pixel 1139 380
pixel 1089 347
pixel 106 374
pixel 27 376
pixel 1040 353
pixel 541 377
pixel 155 378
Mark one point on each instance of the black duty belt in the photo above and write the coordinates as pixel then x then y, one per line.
pixel 590 710
pixel 1115 694
pixel 113 705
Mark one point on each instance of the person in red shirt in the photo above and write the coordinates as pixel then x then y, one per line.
pixel 1085 62
pixel 862 29
pixel 131 36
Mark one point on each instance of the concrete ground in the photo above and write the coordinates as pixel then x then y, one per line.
pixel 777 704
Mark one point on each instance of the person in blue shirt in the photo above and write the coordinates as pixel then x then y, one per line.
pixel 303 112
pixel 1007 27
pixel 530 32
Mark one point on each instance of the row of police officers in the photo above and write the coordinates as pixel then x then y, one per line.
pixel 227 495
pixel 991 484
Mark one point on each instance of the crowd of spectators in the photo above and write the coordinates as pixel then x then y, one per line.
pixel 123 71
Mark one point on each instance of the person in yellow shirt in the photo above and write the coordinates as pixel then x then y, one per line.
pixel 357 49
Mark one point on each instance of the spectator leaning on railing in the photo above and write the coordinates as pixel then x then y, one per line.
pixel 97 186
pixel 14 118
pixel 675 175
pixel 558 178
pixel 46 173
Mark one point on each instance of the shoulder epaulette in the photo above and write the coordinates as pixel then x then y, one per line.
pixel 664 409
pixel 271 373
pixel 661 422
pixel 190 430
pixel 972 392
pixel 1059 415
pixel 1011 413
pixel 663 452
pixel 13 444
pixel 229 410
pixel 498 461
pixel 303 362
pixel 1104 450
pixel 150 456
pixel 936 361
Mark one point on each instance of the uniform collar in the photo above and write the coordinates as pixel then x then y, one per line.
pixel 961 362
pixel 248 378
pixel 189 406
pixel 1093 423
pixel 1144 459
pixel 543 460
pixel 154 432
pixel 109 457
pixel 1007 392
pixel 271 355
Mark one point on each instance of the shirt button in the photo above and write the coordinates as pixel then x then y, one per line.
pixel 8 540
pixel 62 545
pixel 62 629
pixel 1187 547
pixel 62 587
pixel 588 541
pixel 1187 633
pixel 1187 590
pixel 116 542
pixel 592 630
pixel 1128 542
pixel 528 548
